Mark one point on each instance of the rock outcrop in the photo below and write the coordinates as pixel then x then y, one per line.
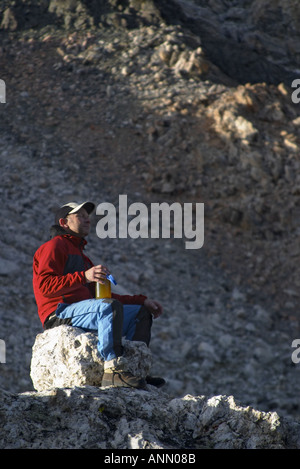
pixel 67 357
pixel 234 37
pixel 120 418
pixel 66 371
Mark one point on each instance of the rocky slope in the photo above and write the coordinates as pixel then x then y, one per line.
pixel 162 101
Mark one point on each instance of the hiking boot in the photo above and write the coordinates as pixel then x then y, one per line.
pixel 155 381
pixel 116 378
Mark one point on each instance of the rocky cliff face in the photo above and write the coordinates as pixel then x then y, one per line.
pixel 162 101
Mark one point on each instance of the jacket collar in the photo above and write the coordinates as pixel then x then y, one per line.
pixel 57 230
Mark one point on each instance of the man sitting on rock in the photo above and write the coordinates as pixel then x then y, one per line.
pixel 64 280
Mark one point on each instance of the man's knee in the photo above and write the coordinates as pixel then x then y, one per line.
pixel 112 302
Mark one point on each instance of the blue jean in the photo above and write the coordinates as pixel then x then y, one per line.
pixel 112 320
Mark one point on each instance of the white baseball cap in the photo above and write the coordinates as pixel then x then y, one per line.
pixel 73 207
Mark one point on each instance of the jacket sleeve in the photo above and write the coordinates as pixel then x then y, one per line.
pixel 50 277
pixel 130 299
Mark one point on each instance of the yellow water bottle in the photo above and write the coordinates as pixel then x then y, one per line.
pixel 103 290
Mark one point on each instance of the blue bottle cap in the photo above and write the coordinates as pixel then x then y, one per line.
pixel 111 279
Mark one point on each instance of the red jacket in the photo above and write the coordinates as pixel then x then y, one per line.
pixel 58 275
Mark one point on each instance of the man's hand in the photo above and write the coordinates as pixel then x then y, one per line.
pixel 154 307
pixel 97 273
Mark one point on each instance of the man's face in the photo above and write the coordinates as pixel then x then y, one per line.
pixel 77 223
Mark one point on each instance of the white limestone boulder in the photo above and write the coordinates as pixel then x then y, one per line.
pixel 65 357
